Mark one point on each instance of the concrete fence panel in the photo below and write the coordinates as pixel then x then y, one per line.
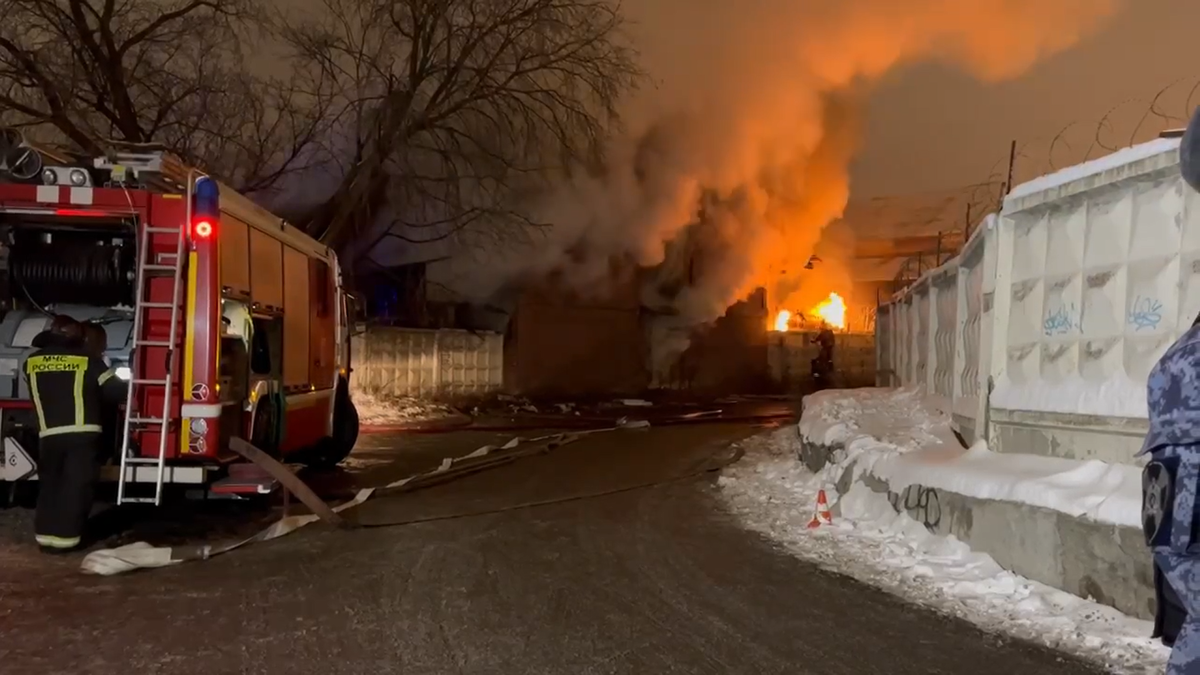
pixel 922 344
pixel 943 369
pixel 938 339
pixel 885 338
pixel 1042 331
pixel 426 363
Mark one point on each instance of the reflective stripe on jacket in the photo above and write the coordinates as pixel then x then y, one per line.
pixel 68 387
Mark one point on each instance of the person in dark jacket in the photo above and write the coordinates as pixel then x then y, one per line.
pixel 822 366
pixel 1170 514
pixel 1169 486
pixel 69 387
pixel 1189 152
pixel 95 338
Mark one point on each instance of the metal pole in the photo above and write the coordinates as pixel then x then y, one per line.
pixel 1012 159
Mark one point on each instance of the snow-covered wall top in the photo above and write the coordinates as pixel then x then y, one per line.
pixel 1121 165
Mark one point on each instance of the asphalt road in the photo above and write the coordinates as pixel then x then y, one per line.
pixel 655 580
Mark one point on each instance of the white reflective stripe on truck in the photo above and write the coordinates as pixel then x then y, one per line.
pixel 53 194
pixel 201 410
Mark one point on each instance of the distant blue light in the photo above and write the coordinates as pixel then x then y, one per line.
pixel 387 299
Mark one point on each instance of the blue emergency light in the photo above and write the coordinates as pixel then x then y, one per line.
pixel 206 208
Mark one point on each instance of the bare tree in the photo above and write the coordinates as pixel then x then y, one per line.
pixel 168 72
pixel 452 112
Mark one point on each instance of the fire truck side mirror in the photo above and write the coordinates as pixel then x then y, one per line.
pixel 356 326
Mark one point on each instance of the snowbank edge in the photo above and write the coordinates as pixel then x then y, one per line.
pixel 1103 562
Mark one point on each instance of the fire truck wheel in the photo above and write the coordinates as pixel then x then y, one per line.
pixel 263 434
pixel 332 450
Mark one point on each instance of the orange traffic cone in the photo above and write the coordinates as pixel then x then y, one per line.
pixel 821 515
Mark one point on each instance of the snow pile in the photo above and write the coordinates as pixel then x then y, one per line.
pixel 512 404
pixel 635 403
pixel 773 494
pixel 396 410
pixel 1106 493
pixel 895 436
pixel 896 417
pixel 1119 396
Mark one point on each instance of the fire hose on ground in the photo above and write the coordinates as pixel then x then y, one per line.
pixel 466 423
pixel 142 555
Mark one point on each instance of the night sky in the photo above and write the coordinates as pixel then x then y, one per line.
pixel 930 126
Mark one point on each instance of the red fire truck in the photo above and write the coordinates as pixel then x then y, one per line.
pixel 225 320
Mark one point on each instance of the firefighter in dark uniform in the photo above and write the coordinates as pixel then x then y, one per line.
pixel 95 338
pixel 822 366
pixel 69 387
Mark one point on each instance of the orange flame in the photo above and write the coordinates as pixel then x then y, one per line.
pixel 832 311
pixel 782 319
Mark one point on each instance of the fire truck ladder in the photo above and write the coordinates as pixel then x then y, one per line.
pixel 134 421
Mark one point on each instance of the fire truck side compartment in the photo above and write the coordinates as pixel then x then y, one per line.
pixel 321 324
pixel 234 243
pixel 82 266
pixel 296 312
pixel 266 276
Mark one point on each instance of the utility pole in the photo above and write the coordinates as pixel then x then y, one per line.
pixel 1012 159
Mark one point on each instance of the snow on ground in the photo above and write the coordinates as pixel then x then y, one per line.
pixel 772 493
pixel 396 410
pixel 897 437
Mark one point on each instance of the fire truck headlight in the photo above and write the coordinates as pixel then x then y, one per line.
pixel 49 177
pixel 122 373
pixel 78 178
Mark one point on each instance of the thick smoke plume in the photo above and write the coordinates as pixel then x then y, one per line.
pixel 740 153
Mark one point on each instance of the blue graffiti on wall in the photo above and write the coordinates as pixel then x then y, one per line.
pixel 1062 320
pixel 1145 314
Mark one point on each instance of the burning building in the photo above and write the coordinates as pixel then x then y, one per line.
pixel 829 312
